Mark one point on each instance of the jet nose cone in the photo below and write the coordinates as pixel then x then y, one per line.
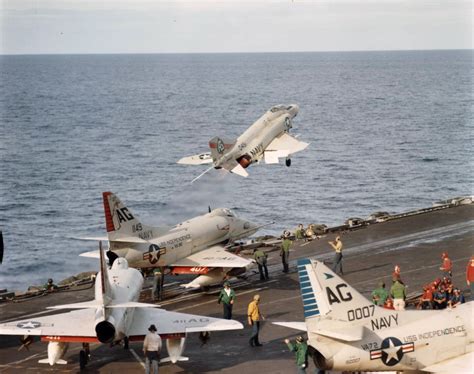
pixel 294 109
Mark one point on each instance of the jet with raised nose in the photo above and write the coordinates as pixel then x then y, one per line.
pixel 267 139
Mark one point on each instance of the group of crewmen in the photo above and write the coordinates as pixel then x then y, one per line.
pixel 439 294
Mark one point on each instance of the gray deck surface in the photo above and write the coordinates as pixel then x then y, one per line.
pixel 415 243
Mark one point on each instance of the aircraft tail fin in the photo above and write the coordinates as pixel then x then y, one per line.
pixel 219 147
pixel 122 225
pixel 325 293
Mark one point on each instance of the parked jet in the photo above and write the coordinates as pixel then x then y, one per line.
pixel 266 139
pixel 196 246
pixel 114 315
pixel 346 332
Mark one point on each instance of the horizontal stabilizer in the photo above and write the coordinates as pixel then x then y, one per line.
pixel 132 304
pixel 85 305
pixel 91 254
pixel 46 361
pixel 217 325
pixel 301 326
pixel 348 334
pixel 91 238
pixel 169 359
pixel 123 239
pixel 203 158
pixel 239 170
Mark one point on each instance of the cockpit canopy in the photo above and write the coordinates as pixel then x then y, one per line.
pixel 278 108
pixel 223 212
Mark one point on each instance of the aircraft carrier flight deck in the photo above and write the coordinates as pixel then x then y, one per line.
pixel 412 241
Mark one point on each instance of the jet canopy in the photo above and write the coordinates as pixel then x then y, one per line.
pixel 223 212
pixel 278 108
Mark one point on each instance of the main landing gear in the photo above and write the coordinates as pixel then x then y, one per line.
pixel 84 356
pixel 288 162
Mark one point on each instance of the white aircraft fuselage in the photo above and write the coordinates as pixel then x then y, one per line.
pixel 251 145
pixel 191 236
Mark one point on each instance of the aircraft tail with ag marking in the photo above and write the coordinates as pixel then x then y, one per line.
pixel 219 147
pixel 122 225
pixel 332 307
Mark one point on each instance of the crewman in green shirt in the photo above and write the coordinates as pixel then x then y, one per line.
pixel 380 295
pixel 398 293
pixel 261 260
pixel 301 352
pixel 285 250
pixel 300 233
pixel 227 297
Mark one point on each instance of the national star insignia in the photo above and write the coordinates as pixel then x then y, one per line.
pixel 28 325
pixel 392 352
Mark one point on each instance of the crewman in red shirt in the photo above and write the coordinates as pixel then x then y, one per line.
pixel 470 275
pixel 447 265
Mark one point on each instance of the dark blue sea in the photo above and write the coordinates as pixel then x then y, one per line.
pixel 389 131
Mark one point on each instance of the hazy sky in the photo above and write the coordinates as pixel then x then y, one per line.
pixel 146 26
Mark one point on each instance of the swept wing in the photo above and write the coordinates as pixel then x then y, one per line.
pixel 215 256
pixel 282 146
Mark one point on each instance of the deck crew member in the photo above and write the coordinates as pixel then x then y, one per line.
pixel 301 352
pixel 398 293
pixel 285 251
pixel 337 246
pixel 380 295
pixel 152 349
pixel 470 276
pixel 261 260
pixel 447 265
pixel 227 297
pixel 254 317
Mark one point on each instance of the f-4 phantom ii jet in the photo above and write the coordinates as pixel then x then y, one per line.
pixel 196 246
pixel 348 333
pixel 266 139
pixel 114 315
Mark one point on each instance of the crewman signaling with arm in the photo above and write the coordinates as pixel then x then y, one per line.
pixel 227 297
pixel 337 246
pixel 152 349
pixel 261 260
pixel 285 251
pixel 254 317
pixel 301 351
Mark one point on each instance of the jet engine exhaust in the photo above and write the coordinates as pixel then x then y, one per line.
pixel 105 332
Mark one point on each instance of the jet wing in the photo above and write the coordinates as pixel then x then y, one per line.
pixel 78 323
pixel 176 323
pixel 282 146
pixel 460 364
pixel 213 257
pixel 203 158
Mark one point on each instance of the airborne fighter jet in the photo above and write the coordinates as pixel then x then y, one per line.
pixel 114 315
pixel 196 246
pixel 268 139
pixel 346 332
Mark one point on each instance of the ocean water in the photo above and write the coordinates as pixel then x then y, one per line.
pixel 389 131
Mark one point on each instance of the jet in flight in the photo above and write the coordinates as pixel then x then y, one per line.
pixel 195 246
pixel 114 315
pixel 268 139
pixel 346 332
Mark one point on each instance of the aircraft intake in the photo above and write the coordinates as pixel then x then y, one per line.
pixel 105 332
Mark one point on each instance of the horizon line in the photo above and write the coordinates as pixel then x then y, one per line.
pixel 236 52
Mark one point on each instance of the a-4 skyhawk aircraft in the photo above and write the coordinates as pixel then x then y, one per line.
pixel 114 315
pixel 346 332
pixel 266 139
pixel 196 246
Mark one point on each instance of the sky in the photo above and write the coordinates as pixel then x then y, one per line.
pixel 202 26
